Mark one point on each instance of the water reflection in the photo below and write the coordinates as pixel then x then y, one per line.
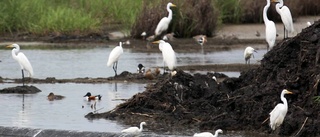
pixel 93 62
pixel 35 111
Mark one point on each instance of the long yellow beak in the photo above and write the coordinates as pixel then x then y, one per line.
pixel 288 92
pixel 274 0
pixel 173 5
pixel 156 42
pixel 9 46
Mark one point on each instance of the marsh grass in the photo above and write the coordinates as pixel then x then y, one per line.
pixel 190 17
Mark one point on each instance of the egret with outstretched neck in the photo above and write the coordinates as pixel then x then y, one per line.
pixel 271 32
pixel 134 130
pixel 279 112
pixel 286 17
pixel 208 134
pixel 114 57
pixel 22 60
pixel 165 21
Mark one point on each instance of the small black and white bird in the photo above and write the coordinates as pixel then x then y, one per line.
pixel 140 68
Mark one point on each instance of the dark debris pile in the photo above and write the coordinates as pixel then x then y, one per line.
pixel 198 102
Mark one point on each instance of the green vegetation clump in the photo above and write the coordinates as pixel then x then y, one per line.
pixel 190 17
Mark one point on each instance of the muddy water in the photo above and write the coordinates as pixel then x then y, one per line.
pixel 36 111
pixel 92 62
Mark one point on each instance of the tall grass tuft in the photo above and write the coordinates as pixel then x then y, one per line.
pixel 190 17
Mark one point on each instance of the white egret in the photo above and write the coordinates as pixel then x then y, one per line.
pixel 168 54
pixel 140 68
pixel 271 32
pixel 165 21
pixel 114 57
pixel 208 134
pixel 309 24
pixel 248 52
pixel 286 17
pixel 22 60
pixel 134 130
pixel 279 112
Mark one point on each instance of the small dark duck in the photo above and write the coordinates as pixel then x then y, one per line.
pixel 52 97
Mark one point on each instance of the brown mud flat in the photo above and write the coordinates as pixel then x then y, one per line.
pixel 197 102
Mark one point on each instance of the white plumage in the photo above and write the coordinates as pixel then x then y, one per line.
pixel 134 130
pixel 22 60
pixel 165 21
pixel 114 57
pixel 271 32
pixel 286 17
pixel 208 134
pixel 168 54
pixel 279 112
pixel 248 52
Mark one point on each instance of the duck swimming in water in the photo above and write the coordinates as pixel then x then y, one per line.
pixel 52 97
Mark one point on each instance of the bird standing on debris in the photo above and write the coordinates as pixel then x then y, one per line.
pixel 248 52
pixel 22 60
pixel 140 68
pixel 208 134
pixel 114 57
pixel 168 54
pixel 286 17
pixel 165 21
pixel 271 32
pixel 134 130
pixel 279 112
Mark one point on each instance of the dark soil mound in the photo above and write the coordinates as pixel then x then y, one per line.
pixel 187 102
pixel 20 90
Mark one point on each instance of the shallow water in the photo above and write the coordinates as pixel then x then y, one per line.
pixel 35 111
pixel 76 63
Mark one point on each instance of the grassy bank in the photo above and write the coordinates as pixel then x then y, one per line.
pixel 43 17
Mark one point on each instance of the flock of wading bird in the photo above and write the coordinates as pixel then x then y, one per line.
pixel 277 115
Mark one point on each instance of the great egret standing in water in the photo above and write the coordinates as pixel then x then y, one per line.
pixel 248 52
pixel 114 57
pixel 208 134
pixel 271 32
pixel 22 60
pixel 165 21
pixel 134 130
pixel 286 17
pixel 279 112
pixel 168 54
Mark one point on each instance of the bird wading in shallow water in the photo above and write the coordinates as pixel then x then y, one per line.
pixel 168 54
pixel 286 17
pixel 134 130
pixel 22 60
pixel 208 134
pixel 89 97
pixel 271 32
pixel 114 57
pixel 279 112
pixel 248 52
pixel 165 21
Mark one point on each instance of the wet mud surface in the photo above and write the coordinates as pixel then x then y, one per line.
pixel 196 102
